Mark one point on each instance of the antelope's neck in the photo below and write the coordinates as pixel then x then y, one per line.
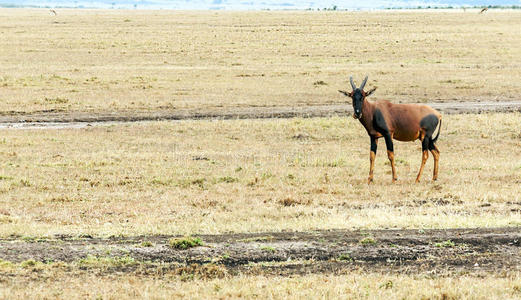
pixel 367 114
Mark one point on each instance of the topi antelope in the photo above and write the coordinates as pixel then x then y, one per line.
pixel 402 122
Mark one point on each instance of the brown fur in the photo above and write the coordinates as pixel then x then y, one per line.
pixel 403 120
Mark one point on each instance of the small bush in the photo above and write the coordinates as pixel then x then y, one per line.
pixel 267 249
pixel 4 264
pixel 445 244
pixel 345 257
pixel 185 243
pixel 146 244
pixel 368 241
pixel 28 263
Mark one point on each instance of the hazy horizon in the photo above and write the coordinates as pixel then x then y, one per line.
pixel 253 5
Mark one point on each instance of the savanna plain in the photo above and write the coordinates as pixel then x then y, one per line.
pixel 256 208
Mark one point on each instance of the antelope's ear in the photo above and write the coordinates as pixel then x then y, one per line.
pixel 345 93
pixel 370 92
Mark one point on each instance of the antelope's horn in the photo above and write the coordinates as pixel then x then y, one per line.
pixel 363 83
pixel 352 83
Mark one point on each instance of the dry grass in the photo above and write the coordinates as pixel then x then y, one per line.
pixel 252 176
pixel 44 282
pixel 109 60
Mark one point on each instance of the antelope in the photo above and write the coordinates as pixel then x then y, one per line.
pixel 402 122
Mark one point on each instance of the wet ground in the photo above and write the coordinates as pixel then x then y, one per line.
pixel 67 119
pixel 284 253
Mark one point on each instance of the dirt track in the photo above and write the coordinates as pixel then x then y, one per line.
pixel 335 251
pixel 79 119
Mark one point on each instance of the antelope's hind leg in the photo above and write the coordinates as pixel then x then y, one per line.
pixel 428 125
pixel 425 155
pixel 436 155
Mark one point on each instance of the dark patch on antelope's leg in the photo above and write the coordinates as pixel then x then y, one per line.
pixel 425 155
pixel 372 156
pixel 436 155
pixel 390 154
pixel 381 126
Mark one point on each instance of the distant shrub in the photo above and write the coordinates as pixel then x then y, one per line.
pixel 185 243
pixel 445 244
pixel 368 241
pixel 345 257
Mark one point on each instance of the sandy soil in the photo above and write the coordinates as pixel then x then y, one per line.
pixel 335 251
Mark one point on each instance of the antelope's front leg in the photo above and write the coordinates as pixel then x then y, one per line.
pixel 390 153
pixel 372 156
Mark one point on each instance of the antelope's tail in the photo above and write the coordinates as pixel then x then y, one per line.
pixel 438 134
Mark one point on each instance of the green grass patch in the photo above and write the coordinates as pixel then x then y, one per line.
pixel 146 244
pixel 267 249
pixel 445 244
pixel 345 257
pixel 28 263
pixel 4 264
pixel 117 261
pixel 185 243
pixel 368 241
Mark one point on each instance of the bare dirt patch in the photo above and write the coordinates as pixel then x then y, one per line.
pixel 58 118
pixel 284 253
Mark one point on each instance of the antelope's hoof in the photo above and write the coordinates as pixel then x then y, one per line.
pixel 417 181
pixel 369 181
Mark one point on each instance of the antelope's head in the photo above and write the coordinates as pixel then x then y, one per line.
pixel 357 96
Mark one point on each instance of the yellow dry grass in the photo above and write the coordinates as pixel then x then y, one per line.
pixel 252 176
pixel 51 282
pixel 110 60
